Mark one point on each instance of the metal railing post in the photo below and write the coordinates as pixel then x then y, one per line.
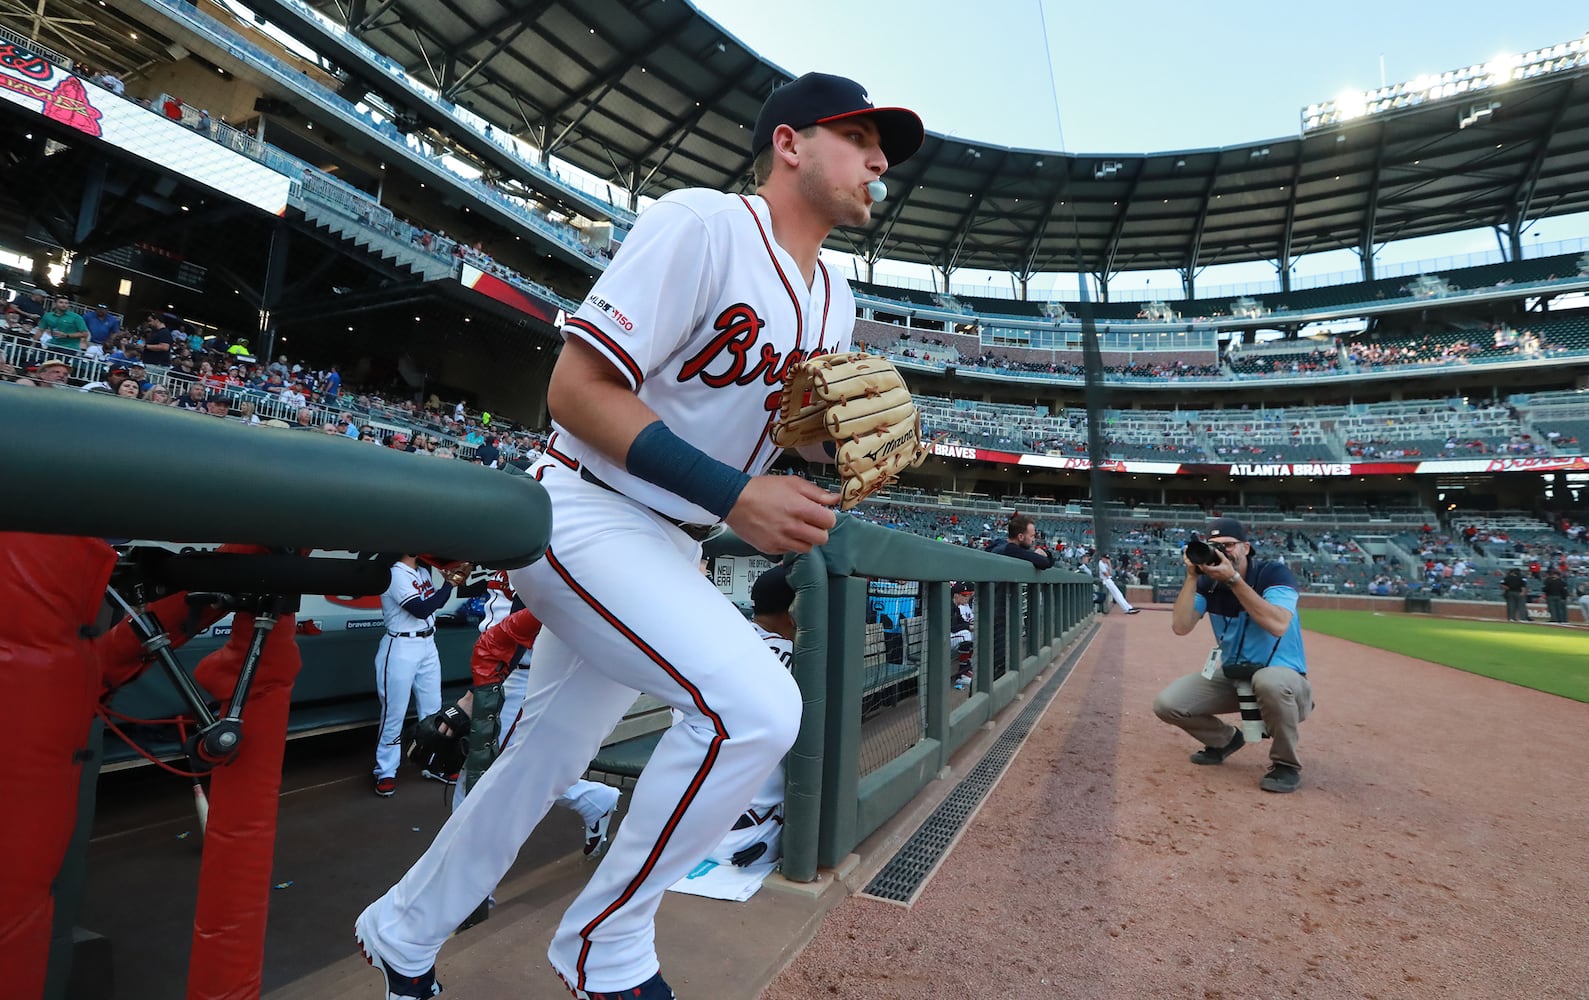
pixel 841 763
pixel 802 804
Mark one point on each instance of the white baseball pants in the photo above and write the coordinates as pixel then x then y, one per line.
pixel 626 610
pixel 404 667
pixel 1114 591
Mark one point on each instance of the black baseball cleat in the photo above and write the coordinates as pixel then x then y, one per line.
pixel 654 988
pixel 1281 778
pixel 1217 755
pixel 446 779
pixel 398 986
pixel 1133 611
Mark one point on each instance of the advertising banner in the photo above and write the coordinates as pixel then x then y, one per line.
pixel 49 91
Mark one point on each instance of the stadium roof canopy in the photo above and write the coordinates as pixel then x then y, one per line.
pixel 653 95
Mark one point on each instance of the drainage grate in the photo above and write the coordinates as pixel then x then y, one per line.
pixel 907 871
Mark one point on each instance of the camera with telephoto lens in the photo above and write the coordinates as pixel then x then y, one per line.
pixel 1201 553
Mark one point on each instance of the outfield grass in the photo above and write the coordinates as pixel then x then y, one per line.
pixel 1543 657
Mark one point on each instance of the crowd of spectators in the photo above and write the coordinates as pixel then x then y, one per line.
pixel 1280 365
pixel 164 360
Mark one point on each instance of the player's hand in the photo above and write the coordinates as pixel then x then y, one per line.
pixel 777 514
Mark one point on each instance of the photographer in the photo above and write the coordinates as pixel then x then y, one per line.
pixel 1251 605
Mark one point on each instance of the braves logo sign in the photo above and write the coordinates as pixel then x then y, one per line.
pixel 1565 463
pixel 733 357
pixel 67 102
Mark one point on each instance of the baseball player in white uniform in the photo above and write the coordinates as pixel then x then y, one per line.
pixel 663 401
pixel 1106 576
pixel 962 626
pixel 592 800
pixel 406 662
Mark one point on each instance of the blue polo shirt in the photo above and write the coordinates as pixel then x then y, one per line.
pixel 1277 586
pixel 100 330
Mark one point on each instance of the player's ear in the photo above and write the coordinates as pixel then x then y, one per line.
pixel 784 142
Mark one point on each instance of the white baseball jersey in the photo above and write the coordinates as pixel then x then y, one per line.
pixel 695 340
pixel 498 605
pixel 407 583
pixel 962 619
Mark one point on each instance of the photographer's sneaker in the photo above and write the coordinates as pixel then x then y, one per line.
pixel 654 988
pixel 398 986
pixel 1281 778
pixel 1217 755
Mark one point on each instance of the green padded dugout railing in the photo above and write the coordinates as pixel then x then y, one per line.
pixel 829 807
pixel 76 463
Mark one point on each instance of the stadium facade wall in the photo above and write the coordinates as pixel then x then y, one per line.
pixel 1441 609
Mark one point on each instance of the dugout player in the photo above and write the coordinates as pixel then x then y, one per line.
pixel 592 800
pixel 1106 577
pixel 1252 605
pixel 406 663
pixel 757 835
pixel 962 629
pixel 662 402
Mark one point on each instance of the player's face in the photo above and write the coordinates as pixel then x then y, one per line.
pixel 837 162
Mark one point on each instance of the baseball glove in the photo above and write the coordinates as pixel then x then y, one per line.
pixel 859 402
pixel 430 750
pixel 455 572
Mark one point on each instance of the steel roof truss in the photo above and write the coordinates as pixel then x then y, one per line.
pixel 967 220
pixel 456 87
pixel 1120 222
pixel 517 20
pixel 1522 195
pixel 1196 247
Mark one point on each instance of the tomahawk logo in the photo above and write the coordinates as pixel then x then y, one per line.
pixel 67 102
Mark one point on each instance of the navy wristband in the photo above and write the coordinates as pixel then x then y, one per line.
pixel 664 459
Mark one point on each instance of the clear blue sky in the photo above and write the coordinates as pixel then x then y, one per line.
pixel 1143 76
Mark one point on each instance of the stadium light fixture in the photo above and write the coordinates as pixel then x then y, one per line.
pixel 1498 72
pixel 1474 114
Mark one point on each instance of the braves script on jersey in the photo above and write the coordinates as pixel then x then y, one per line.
pixel 407 582
pixel 694 340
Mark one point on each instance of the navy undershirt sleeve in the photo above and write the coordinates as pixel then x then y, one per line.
pixel 421 607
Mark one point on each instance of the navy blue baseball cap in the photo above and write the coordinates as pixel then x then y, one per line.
pixel 822 98
pixel 771 593
pixel 1227 527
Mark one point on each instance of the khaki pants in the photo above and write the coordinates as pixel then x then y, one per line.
pixel 1195 703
